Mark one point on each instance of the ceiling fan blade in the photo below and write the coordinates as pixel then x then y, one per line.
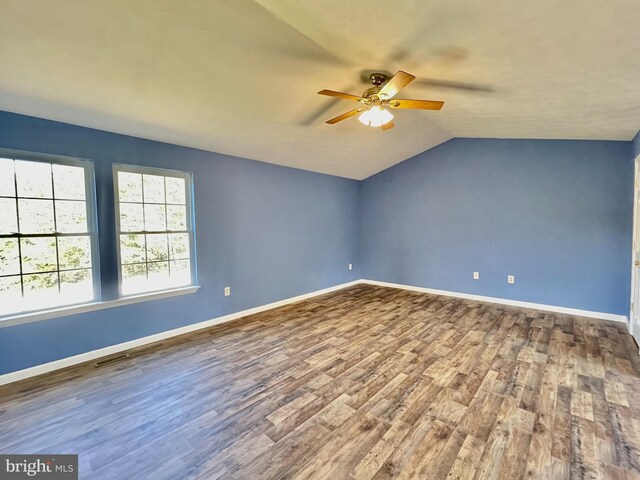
pixel 332 93
pixel 387 126
pixel 397 83
pixel 344 116
pixel 421 104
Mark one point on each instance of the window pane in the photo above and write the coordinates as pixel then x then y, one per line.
pixel 74 252
pixel 9 256
pixel 38 254
pixel 175 190
pixel 146 259
pixel 158 275
pixel 132 249
pixel 153 189
pixel 69 182
pixel 129 187
pixel 76 286
pixel 7 181
pixel 41 252
pixel 131 217
pixel 157 248
pixel 179 246
pixel 8 216
pixel 71 217
pixel 180 272
pixel 36 216
pixel 177 217
pixel 154 217
pixel 10 295
pixel 34 179
pixel 41 290
pixel 134 279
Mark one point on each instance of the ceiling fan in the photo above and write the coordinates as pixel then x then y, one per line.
pixel 373 112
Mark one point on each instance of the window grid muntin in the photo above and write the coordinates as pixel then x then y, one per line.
pixel 90 224
pixel 55 271
pixel 144 203
pixel 189 223
pixel 144 223
pixel 15 185
pixel 55 226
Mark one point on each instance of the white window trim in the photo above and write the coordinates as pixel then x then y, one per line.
pixel 40 315
pixel 21 318
pixel 92 226
pixel 142 169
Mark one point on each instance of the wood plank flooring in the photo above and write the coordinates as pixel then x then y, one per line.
pixel 364 383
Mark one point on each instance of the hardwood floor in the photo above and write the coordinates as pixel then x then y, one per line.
pixel 367 382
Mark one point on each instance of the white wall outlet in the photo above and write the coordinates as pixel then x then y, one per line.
pixel 476 275
pixel 511 279
pixel 227 291
pixel 350 266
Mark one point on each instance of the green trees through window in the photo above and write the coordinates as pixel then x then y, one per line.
pixel 48 231
pixel 154 229
pixel 45 240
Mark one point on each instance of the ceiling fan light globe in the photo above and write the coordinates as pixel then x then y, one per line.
pixel 375 116
pixel 386 116
pixel 364 118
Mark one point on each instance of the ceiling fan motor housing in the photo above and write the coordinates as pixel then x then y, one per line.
pixel 372 93
pixel 369 92
pixel 378 78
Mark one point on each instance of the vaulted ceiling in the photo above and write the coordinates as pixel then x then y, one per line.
pixel 240 77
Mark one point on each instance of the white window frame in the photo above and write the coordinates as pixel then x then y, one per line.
pixel 190 219
pixel 92 226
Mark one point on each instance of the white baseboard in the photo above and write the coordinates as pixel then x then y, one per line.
pixel 113 349
pixel 504 301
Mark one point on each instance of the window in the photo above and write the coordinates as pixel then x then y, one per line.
pixel 48 244
pixel 154 220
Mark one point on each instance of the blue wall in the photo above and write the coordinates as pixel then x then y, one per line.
pixel 269 232
pixel 556 214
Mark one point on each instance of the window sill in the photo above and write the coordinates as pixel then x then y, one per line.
pixel 90 307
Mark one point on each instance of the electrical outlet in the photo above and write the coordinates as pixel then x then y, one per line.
pixel 227 291
pixel 476 275
pixel 350 266
pixel 511 279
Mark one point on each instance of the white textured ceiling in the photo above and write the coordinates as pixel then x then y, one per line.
pixel 240 76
